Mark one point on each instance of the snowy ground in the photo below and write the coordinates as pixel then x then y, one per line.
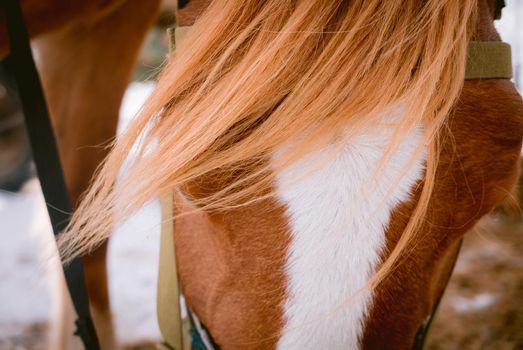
pixel 26 274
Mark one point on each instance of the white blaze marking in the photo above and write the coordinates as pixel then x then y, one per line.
pixel 338 217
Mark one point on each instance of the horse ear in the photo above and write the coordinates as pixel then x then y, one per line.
pixel 500 4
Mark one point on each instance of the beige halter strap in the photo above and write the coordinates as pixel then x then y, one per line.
pixel 488 60
pixel 174 329
pixel 485 60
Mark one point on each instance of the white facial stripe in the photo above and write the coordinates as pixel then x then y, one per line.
pixel 338 220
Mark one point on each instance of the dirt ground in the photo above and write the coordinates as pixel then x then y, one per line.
pixel 483 305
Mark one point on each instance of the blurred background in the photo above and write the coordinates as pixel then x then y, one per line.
pixel 481 309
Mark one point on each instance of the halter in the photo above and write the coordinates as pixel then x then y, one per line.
pixel 488 60
pixel 485 59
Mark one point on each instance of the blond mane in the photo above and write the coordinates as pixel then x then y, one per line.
pixel 253 75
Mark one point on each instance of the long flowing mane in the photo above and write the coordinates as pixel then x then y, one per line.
pixel 253 76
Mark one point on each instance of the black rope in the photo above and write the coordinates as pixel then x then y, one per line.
pixel 46 158
pixel 423 330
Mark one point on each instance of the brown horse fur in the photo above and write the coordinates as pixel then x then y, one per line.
pixel 237 285
pixel 86 53
pixel 478 168
pixel 466 190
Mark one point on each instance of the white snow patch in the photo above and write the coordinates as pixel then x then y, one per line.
pixel 134 98
pixel 26 238
pixel 477 302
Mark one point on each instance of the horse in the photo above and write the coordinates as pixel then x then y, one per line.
pixel 324 161
pixel 260 275
pixel 86 51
